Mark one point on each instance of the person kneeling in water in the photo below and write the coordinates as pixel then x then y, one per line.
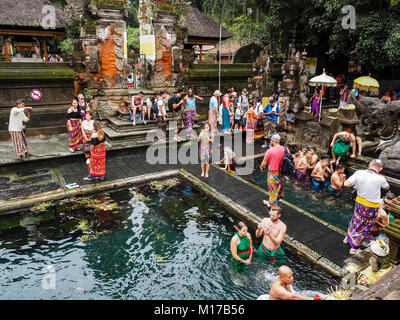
pixel 281 288
pixel 273 231
pixel 338 178
pixel 320 173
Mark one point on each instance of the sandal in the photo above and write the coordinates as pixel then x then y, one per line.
pixel 86 179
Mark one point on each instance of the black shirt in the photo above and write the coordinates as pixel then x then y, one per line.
pixel 174 100
pixel 96 141
pixel 74 115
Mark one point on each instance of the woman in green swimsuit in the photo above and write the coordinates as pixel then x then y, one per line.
pixel 241 248
pixel 340 145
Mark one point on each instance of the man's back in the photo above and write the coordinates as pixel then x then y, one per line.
pixel 274 157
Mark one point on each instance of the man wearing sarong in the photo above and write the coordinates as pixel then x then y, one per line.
pixel 368 184
pixel 273 231
pixel 273 158
pixel 302 166
pixel 281 288
pixel 16 128
pixel 190 110
pixel 321 173
pixel 175 104
pixel 241 248
pixel 213 112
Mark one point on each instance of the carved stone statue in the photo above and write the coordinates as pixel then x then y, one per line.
pixel 382 120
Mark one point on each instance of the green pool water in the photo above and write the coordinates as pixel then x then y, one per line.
pixel 336 211
pixel 172 244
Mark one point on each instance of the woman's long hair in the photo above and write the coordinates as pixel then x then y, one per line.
pixel 100 132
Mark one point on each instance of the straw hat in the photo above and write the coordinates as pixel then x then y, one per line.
pixel 217 93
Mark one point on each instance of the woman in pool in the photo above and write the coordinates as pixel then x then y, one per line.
pixel 206 139
pixel 241 248
pixel 97 166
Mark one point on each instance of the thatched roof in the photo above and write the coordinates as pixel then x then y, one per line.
pixel 27 13
pixel 201 26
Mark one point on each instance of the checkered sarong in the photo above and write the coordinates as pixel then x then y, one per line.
pixel 19 142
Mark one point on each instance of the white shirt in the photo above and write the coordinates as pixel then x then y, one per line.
pixel 368 184
pixel 259 109
pixel 148 102
pixel 17 119
pixel 160 104
pixel 88 125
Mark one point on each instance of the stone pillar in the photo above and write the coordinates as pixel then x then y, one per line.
pixel 163 32
pixel 100 55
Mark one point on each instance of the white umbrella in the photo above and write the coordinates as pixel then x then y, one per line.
pixel 325 81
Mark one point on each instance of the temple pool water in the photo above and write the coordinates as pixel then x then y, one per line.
pixel 335 211
pixel 144 243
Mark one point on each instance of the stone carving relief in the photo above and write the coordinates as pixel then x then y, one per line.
pixel 312 133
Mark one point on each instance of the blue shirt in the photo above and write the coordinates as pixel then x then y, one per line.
pixel 273 117
pixel 213 103
pixel 190 104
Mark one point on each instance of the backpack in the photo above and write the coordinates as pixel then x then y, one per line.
pixel 154 108
pixel 287 164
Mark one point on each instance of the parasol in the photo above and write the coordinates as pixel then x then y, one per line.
pixel 366 83
pixel 325 81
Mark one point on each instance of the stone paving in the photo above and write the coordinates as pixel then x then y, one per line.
pixel 29 178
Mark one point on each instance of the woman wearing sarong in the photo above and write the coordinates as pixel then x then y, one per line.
pixel 74 122
pixel 190 110
pixel 206 139
pixel 259 130
pixel 226 117
pixel 241 248
pixel 251 124
pixel 97 166
pixel 341 143
pixel 87 130
pixel 213 112
pixel 315 102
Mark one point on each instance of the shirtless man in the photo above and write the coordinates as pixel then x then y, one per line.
pixel 320 173
pixel 313 157
pixel 296 156
pixel 383 219
pixel 274 230
pixel 281 287
pixel 302 166
pixel 337 179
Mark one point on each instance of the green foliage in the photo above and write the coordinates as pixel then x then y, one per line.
pixel 241 29
pixel 67 45
pixel 132 20
pixel 133 38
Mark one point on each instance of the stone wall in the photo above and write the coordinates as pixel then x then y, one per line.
pixel 163 24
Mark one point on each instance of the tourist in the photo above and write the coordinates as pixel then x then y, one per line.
pixel 229 158
pixel 83 106
pixel 137 103
pixel 226 119
pixel 315 103
pixel 232 111
pixel 259 131
pixel 368 184
pixel 175 106
pixel 271 112
pixel 130 81
pixel 238 118
pixel 241 248
pixel 302 166
pixel 190 110
pixel 74 125
pixel 161 116
pixel 17 129
pixel 149 105
pixel 357 142
pixel 273 231
pixel 251 124
pixel 206 139
pixel 87 130
pixel 213 113
pixel 313 158
pixel 97 166
pixel 321 173
pixel 273 159
pixel 337 180
pixel 344 96
pixel 281 288
pixel 340 145
pixel 244 102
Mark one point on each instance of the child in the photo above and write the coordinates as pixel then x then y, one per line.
pixel 238 117
pixel 206 139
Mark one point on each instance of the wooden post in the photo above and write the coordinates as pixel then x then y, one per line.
pixel 44 44
pixel 6 49
pixel 201 53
